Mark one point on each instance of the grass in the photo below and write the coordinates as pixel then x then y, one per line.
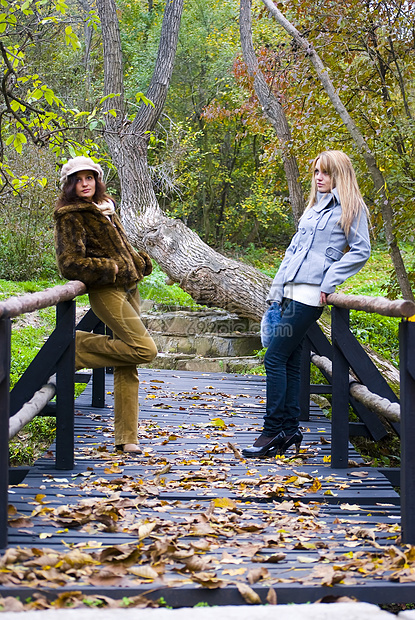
pixel 154 287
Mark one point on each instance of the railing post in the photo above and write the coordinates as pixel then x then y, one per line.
pixel 98 376
pixel 5 343
pixel 305 381
pixel 340 395
pixel 407 397
pixel 65 406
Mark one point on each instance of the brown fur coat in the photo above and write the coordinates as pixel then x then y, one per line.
pixel 89 246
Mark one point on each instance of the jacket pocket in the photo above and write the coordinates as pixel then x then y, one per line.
pixel 321 224
pixel 333 253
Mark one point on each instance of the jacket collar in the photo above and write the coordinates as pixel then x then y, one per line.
pixel 323 201
pixel 77 206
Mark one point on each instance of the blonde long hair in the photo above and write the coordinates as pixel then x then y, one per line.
pixel 340 169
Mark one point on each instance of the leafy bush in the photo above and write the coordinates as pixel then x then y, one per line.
pixel 26 218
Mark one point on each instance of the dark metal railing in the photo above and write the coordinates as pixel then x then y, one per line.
pixel 57 356
pixel 346 353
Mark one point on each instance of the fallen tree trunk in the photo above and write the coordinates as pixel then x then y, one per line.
pixel 374 402
pixel 31 409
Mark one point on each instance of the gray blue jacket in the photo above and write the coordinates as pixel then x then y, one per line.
pixel 316 254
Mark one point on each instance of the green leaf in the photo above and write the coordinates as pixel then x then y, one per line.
pixel 19 140
pixel 71 38
pixel 49 96
pixel 37 94
pixel 15 106
pixel 79 114
pixel 141 97
pixel 61 6
pixel 110 96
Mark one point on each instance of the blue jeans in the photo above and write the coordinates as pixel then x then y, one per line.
pixel 282 364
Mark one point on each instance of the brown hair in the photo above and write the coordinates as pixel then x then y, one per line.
pixel 68 195
pixel 343 177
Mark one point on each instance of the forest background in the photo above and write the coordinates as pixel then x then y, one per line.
pixel 215 160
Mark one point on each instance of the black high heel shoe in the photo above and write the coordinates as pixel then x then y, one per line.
pixel 272 444
pixel 295 439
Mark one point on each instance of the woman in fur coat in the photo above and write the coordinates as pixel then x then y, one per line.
pixel 91 246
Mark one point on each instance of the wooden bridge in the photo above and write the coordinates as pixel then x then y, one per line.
pixel 190 520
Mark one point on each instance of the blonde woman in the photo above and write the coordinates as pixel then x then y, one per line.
pixel 331 244
pixel 91 246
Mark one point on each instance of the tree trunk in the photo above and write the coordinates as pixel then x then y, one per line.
pixel 272 109
pixel 373 402
pixel 377 176
pixel 86 7
pixel 206 275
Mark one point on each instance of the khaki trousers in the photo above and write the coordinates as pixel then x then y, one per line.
pixel 131 345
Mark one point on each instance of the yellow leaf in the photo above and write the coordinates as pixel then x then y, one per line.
pixel 218 422
pixel 224 502
pixel 44 535
pixel 316 486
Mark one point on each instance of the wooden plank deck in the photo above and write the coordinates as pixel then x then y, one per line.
pixel 191 521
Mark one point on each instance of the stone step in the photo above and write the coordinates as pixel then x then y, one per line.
pixel 208 344
pixel 178 361
pixel 200 322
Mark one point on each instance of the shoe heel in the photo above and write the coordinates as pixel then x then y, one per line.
pixel 295 440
